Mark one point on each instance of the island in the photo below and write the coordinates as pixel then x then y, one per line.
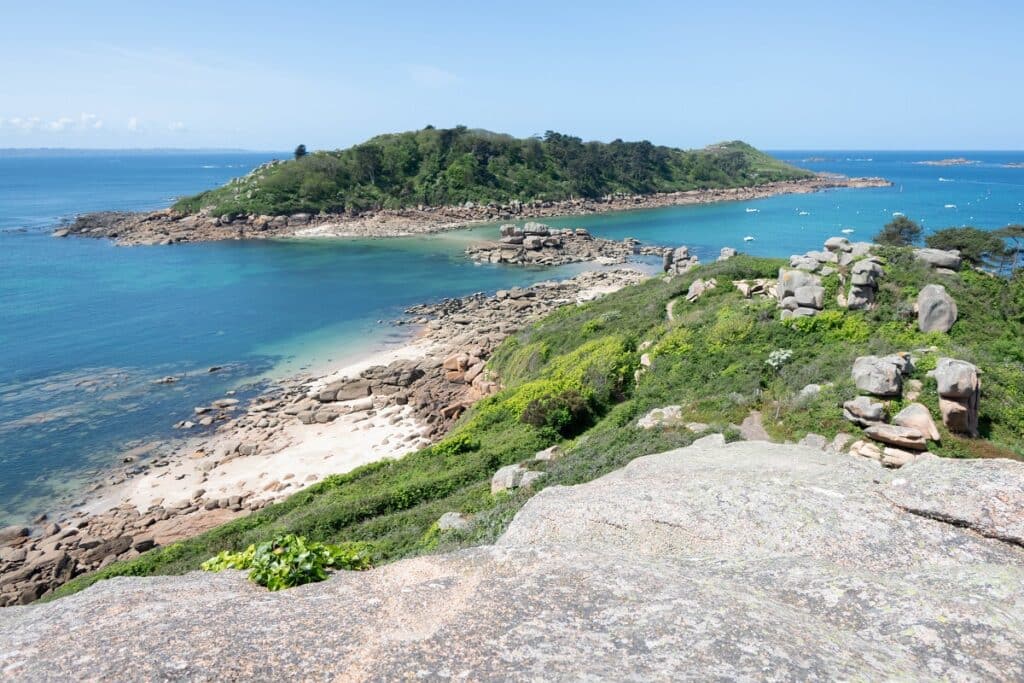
pixel 432 180
pixel 957 161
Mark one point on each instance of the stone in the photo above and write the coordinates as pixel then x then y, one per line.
pixel 939 258
pixel 726 253
pixel 749 561
pixel 936 309
pixel 661 417
pixel 894 435
pixel 917 416
pixel 508 477
pixel 879 376
pixel 810 296
pixel 863 411
pixel 530 478
pixel 955 378
pixel 959 394
pixel 790 280
pixel 897 457
pixel 143 543
pixel 533 243
pixel 840 442
pixel 836 244
pixel 349 391
pixel 815 441
pixel 550 453
pixel 454 521
pixel 710 441
pixel 808 393
pixel 11 533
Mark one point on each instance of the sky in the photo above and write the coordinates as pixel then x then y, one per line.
pixel 261 75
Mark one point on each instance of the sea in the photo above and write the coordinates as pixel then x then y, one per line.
pixel 87 327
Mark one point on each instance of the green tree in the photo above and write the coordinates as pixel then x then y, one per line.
pixel 899 232
pixel 977 247
pixel 300 151
pixel 1015 235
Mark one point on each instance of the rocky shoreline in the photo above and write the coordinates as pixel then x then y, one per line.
pixel 537 244
pixel 168 227
pixel 290 436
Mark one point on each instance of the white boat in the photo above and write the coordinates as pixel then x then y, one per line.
pixel 804 213
pixel 753 210
pixel 846 231
pixel 897 213
pixel 949 206
pixel 748 238
pixel 945 180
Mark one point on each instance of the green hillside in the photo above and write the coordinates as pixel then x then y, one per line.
pixel 444 167
pixel 570 380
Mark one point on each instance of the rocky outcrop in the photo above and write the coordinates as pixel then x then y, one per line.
pixel 881 376
pixel 731 562
pixel 959 393
pixel 936 309
pixel 939 259
pixel 678 261
pixel 800 293
pixel 537 244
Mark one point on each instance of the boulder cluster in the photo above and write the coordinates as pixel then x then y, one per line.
pixel 905 437
pixel 800 291
pixel 678 261
pixel 541 245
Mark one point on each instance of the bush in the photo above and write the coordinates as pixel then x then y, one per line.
pixel 289 560
pixel 567 413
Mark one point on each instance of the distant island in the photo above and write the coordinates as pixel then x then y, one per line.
pixel 446 167
pixel 957 161
pixel 439 179
pixel 1014 164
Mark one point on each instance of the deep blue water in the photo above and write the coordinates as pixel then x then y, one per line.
pixel 85 327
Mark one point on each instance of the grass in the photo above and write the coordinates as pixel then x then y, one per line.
pixel 711 361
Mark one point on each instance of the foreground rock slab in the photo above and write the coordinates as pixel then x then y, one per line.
pixel 747 561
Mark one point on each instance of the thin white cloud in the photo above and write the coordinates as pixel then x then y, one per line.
pixel 82 122
pixel 427 76
pixel 176 126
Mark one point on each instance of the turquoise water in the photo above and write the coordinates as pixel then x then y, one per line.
pixel 85 327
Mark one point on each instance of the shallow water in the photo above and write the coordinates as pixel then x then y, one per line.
pixel 85 327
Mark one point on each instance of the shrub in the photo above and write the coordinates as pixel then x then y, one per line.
pixel 567 413
pixel 289 560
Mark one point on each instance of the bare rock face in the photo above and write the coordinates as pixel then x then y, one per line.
pixel 936 309
pixel 740 562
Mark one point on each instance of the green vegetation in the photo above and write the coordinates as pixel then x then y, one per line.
pixel 982 248
pixel 899 232
pixel 570 379
pixel 443 167
pixel 288 560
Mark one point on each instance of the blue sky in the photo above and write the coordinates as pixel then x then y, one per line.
pixel 269 75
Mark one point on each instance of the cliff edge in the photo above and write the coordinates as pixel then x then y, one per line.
pixel 752 560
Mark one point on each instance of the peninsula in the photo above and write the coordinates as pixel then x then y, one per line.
pixel 433 180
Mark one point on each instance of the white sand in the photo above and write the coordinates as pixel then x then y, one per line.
pixel 290 457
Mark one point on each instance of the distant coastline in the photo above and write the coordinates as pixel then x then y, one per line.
pixel 956 161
